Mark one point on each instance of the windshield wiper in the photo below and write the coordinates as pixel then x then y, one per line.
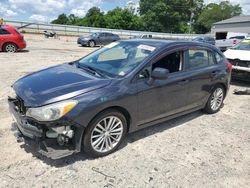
pixel 90 70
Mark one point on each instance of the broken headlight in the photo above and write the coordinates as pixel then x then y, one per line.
pixel 51 112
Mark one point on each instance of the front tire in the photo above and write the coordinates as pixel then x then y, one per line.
pixel 91 44
pixel 105 133
pixel 215 101
pixel 10 48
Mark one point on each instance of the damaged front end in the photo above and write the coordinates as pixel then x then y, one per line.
pixel 54 139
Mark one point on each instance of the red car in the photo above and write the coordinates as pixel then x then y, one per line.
pixel 10 39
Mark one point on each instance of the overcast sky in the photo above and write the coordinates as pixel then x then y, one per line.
pixel 47 10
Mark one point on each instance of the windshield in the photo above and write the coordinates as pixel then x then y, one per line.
pixel 118 58
pixel 244 45
pixel 93 34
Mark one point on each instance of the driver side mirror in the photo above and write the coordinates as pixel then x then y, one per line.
pixel 160 73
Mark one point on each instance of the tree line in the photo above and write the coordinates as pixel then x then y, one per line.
pixel 170 16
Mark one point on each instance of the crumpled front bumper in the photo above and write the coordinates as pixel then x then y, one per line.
pixel 30 131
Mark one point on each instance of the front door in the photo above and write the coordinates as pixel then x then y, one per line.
pixel 162 98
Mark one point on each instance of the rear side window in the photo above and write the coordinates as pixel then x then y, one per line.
pixel 102 35
pixel 197 59
pixel 4 32
pixel 211 58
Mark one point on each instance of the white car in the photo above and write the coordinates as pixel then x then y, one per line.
pixel 239 57
pixel 225 40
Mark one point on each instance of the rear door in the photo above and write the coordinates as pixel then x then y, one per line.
pixel 203 74
pixel 109 38
pixel 103 38
pixel 112 37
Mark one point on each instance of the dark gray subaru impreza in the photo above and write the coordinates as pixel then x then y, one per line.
pixel 92 103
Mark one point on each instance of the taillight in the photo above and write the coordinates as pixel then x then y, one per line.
pixel 229 67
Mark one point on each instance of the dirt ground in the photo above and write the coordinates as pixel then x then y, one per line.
pixel 196 150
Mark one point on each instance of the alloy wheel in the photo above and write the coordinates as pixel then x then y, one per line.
pixel 10 48
pixel 217 99
pixel 91 43
pixel 106 134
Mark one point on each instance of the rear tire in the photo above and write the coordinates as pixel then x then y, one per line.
pixel 215 101
pixel 105 133
pixel 10 47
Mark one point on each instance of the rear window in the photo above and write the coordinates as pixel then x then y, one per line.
pixel 17 31
pixel 237 37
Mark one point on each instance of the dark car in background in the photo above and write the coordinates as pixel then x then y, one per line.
pixel 10 39
pixel 205 39
pixel 92 103
pixel 99 38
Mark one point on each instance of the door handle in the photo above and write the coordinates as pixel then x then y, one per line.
pixel 183 82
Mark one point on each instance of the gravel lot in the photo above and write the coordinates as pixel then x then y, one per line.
pixel 196 150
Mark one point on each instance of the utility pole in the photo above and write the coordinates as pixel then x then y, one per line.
pixel 191 20
pixel 191 15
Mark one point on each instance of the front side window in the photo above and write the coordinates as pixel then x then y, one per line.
pixel 197 59
pixel 118 58
pixel 173 62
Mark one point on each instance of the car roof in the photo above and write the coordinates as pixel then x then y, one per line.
pixel 104 32
pixel 166 43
